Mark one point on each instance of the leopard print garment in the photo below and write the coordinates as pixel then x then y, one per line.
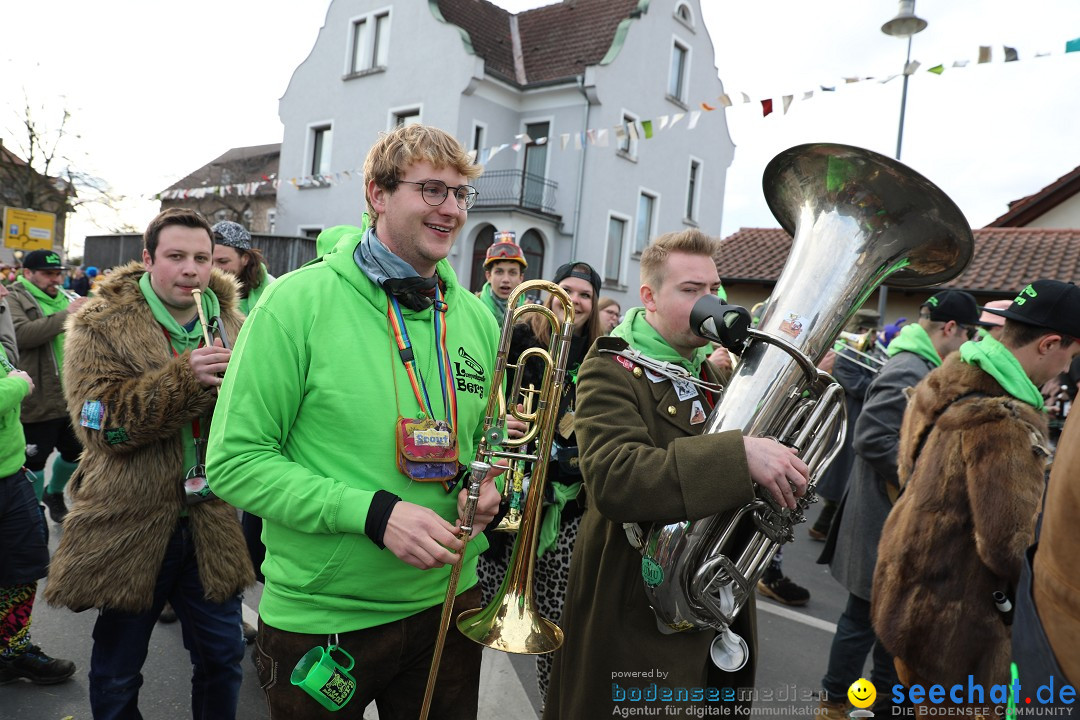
pixel 552 574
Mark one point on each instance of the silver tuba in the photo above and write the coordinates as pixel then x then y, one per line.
pixel 857 218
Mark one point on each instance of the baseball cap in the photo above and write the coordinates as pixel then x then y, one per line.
pixel 505 249
pixel 1049 304
pixel 43 260
pixel 580 270
pixel 955 305
pixel 232 234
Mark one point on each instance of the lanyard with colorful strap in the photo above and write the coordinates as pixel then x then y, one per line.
pixel 408 359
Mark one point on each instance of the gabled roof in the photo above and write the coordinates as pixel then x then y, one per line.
pixel 1005 258
pixel 557 42
pixel 1021 212
pixel 238 165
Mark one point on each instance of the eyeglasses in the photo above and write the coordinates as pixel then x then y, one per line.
pixel 971 330
pixel 434 193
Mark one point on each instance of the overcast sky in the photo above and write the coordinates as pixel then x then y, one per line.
pixel 158 90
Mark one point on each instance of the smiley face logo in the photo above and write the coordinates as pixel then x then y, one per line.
pixel 862 693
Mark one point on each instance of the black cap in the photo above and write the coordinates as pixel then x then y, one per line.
pixel 955 305
pixel 580 270
pixel 1049 304
pixel 43 260
pixel 232 234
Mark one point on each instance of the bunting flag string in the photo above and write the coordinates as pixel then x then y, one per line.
pixel 625 132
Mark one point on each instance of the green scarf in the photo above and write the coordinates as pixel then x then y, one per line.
pixel 995 360
pixel 181 338
pixel 913 338
pixel 494 303
pixel 549 526
pixel 249 302
pixel 50 306
pixel 640 335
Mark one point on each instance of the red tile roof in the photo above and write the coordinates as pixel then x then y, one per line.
pixel 1023 211
pixel 1005 258
pixel 557 41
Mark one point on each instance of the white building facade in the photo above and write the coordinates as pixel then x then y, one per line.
pixel 566 75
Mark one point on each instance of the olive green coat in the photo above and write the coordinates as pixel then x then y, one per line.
pixel 641 463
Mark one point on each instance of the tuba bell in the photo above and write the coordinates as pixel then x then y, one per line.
pixel 857 218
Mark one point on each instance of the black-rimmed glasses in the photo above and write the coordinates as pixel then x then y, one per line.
pixel 434 193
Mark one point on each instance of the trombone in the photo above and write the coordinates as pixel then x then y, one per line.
pixel 860 345
pixel 511 623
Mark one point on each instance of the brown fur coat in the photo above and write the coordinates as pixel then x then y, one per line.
pixel 128 491
pixel 959 531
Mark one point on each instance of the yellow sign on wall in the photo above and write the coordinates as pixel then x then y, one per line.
pixel 28 229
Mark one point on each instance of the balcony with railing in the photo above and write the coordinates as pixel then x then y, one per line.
pixel 515 188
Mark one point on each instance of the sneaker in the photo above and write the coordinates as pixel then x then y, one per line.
pixel 833 710
pixel 57 507
pixel 168 615
pixel 783 590
pixel 250 633
pixel 36 666
pixel 816 534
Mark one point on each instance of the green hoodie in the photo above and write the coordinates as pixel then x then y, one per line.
pixel 12 441
pixel 246 304
pixel 304 435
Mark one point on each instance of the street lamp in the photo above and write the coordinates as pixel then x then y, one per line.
pixel 905 25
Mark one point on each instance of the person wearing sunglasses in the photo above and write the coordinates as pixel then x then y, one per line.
pixel 504 269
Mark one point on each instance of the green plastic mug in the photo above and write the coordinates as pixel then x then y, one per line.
pixel 324 679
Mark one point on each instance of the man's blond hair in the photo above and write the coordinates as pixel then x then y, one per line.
pixel 408 144
pixel 654 258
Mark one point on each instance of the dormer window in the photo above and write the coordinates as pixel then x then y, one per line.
pixel 370 42
pixel 685 15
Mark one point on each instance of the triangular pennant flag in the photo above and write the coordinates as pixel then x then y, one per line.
pixel 485 153
pixel 984 54
pixel 620 132
pixel 725 101
pixel 496 150
pixel 646 126
pixel 808 94
pixel 601 137
pixel 745 97
pixel 663 123
pixel 631 130
pixel 888 79
pixel 590 135
pixel 676 118
pixel 1073 45
pixel 472 157
pixel 828 89
pixel 1042 54
pixel 911 67
pixel 523 137
pixel 787 102
pixel 960 63
pixel 516 147
pixel 1010 54
pixel 707 107
pixel 564 139
pixel 766 107
pixel 577 141
pixel 937 69
pixel 850 80
pixel 540 141
pixel 694 117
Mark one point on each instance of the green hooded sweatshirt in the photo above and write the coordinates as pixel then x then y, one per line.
pixel 12 441
pixel 303 436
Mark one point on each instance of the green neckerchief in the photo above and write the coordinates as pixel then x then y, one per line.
pixel 247 303
pixel 50 306
pixel 549 526
pixel 181 338
pixel 995 360
pixel 493 302
pixel 636 331
pixel 914 339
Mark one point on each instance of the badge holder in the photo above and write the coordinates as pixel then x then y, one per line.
pixel 324 678
pixel 196 488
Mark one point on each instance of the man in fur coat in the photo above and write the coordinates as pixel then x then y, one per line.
pixel 971 461
pixel 140 388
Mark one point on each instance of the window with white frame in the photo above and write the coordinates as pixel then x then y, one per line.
pixel 692 188
pixel 408 116
pixel 322 137
pixel 616 240
pixel 370 42
pixel 680 66
pixel 479 134
pixel 646 218
pixel 271 221
pixel 628 137
pixel 685 15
